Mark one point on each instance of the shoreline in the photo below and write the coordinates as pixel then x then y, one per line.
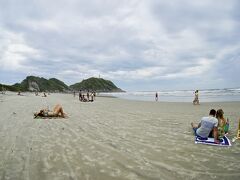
pixel 210 95
pixel 116 97
pixel 143 98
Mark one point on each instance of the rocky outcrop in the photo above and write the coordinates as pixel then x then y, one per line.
pixel 33 86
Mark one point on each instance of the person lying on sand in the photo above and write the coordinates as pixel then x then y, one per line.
pixel 57 112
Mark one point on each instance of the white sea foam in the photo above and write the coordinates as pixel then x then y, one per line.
pixel 205 95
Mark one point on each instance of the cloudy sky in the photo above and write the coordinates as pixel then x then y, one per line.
pixel 137 44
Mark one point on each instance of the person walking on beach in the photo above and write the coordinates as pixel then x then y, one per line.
pixel 88 95
pixel 156 96
pixel 196 100
pixel 92 97
pixel 207 124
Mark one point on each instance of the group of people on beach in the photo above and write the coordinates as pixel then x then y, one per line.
pixel 58 109
pixel 88 97
pixel 44 94
pixel 214 125
pixel 36 94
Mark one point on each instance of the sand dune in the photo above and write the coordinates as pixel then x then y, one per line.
pixel 111 139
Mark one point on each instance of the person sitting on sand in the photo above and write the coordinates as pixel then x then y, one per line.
pixel 84 99
pixel 223 124
pixel 57 112
pixel 206 125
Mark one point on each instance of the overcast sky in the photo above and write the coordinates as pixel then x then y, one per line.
pixel 137 44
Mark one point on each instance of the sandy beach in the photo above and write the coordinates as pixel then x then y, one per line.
pixel 111 138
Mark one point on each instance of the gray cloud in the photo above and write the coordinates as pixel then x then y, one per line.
pixel 137 44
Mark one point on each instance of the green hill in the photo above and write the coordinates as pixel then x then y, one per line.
pixel 96 84
pixel 4 87
pixel 33 83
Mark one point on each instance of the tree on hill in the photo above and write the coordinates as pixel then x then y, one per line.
pixel 4 87
pixel 96 84
pixel 33 83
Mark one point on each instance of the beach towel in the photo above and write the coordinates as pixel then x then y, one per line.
pixel 41 117
pixel 210 141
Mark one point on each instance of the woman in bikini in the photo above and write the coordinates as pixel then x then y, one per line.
pixel 57 112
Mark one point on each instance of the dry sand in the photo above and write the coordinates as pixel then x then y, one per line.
pixel 111 139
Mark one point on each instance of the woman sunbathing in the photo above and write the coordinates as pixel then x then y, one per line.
pixel 57 112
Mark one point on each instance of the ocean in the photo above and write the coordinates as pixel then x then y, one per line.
pixel 205 95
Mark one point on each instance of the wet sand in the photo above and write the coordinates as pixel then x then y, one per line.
pixel 111 138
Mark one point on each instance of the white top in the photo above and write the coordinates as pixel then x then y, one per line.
pixel 207 124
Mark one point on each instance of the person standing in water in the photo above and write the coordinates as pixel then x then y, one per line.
pixel 156 96
pixel 196 100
